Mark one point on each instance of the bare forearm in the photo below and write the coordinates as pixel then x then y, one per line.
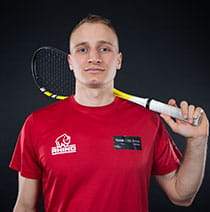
pixel 182 185
pixel 28 195
pixel 190 174
pixel 21 208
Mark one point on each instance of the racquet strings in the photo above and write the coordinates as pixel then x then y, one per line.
pixel 51 71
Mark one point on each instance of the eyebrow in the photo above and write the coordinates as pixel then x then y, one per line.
pixel 105 42
pixel 99 42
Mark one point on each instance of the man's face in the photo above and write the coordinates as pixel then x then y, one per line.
pixel 94 55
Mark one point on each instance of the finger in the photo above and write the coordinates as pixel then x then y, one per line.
pixel 172 102
pixel 191 111
pixel 184 109
pixel 198 111
pixel 204 122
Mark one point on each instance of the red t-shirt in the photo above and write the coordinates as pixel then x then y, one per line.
pixel 94 159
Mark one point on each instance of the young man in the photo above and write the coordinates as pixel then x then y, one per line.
pixel 96 152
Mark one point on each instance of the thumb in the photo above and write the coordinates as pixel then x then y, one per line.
pixel 171 123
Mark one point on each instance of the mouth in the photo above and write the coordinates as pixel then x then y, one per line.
pixel 94 70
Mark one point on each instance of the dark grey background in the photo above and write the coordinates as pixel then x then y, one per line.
pixel 166 54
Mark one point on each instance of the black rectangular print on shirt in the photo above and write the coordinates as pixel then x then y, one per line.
pixel 127 142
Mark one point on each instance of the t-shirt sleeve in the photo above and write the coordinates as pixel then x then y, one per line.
pixel 24 158
pixel 166 154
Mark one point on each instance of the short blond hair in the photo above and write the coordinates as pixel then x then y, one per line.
pixel 92 18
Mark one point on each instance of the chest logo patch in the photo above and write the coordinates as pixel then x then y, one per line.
pixel 127 142
pixel 63 145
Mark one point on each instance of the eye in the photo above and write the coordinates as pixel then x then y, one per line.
pixel 104 49
pixel 83 50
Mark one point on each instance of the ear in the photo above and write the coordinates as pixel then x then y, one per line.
pixel 70 61
pixel 119 61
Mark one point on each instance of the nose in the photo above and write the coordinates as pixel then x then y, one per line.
pixel 94 58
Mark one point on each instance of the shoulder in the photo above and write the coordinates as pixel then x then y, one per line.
pixel 53 107
pixel 138 111
pixel 51 111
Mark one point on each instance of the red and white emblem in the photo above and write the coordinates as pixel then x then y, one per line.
pixel 63 145
pixel 63 140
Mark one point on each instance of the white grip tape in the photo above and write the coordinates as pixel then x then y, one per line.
pixel 169 110
pixel 162 108
pixel 139 100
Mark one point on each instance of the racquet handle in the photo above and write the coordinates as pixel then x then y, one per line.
pixel 155 106
pixel 169 110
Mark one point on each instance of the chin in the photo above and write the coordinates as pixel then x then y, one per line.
pixel 95 84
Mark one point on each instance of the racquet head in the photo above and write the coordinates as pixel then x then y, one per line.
pixel 51 73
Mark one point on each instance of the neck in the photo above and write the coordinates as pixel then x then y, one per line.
pixel 94 96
